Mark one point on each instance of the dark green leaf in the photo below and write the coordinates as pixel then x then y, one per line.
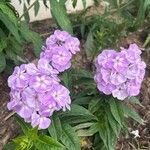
pixel 82 100
pixel 36 7
pixel 113 123
pixel 115 111
pixel 94 128
pixel 24 126
pixel 3 44
pixel 2 61
pixel 15 46
pixel 94 105
pixel 37 43
pixel 147 41
pixel 69 137
pixel 89 46
pixel 45 142
pixel 9 12
pixel 10 146
pixel 135 100
pixel 83 125
pixel 45 3
pixel 82 73
pixel 67 79
pixel 84 3
pixel 130 112
pixel 55 128
pixel 79 112
pixel 26 13
pixel 59 13
pixel 10 26
pixel 12 56
pixel 33 37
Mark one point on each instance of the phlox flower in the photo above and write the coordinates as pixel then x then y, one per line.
pixel 120 73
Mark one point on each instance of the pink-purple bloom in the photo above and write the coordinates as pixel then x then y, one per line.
pixel 36 93
pixel 120 73
pixel 59 48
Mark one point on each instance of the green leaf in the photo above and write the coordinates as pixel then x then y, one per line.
pixel 113 123
pixel 10 146
pixel 147 41
pixel 55 128
pixel 82 73
pixel 2 34
pixel 7 9
pixel 84 3
pixel 82 100
pixel 115 111
pixel 94 128
pixel 10 26
pixel 23 143
pixel 69 138
pixel 59 13
pixel 83 125
pixel 67 79
pixel 32 133
pixel 130 112
pixel 24 126
pixel 135 100
pixel 45 3
pixel 15 46
pixel 37 43
pixel 106 134
pixel 45 142
pixel 78 114
pixel 36 7
pixel 26 13
pixel 3 44
pixel 2 61
pixel 31 36
pixel 94 105
pixel 111 137
pixel 90 47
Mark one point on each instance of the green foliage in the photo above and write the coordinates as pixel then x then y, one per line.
pixel 59 13
pixel 44 142
pixel 2 61
pixel 91 113
pixel 104 117
pixel 102 30
pixel 90 46
pixel 31 139
pixel 36 8
pixel 13 35
pixel 65 133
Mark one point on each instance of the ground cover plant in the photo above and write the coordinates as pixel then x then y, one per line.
pixel 58 103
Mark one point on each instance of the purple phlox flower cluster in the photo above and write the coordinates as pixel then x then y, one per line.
pixel 120 73
pixel 59 49
pixel 36 93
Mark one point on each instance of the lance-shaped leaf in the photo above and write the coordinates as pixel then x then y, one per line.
pixel 59 13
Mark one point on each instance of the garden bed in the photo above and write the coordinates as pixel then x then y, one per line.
pixel 9 127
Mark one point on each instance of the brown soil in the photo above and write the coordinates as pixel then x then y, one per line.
pixel 9 128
